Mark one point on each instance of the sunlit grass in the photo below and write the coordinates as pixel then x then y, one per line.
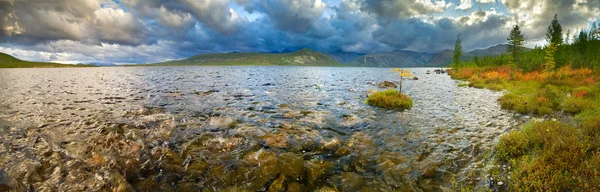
pixel 547 155
pixel 390 99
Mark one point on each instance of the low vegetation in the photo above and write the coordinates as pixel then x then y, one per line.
pixel 390 99
pixel 556 80
pixel 7 61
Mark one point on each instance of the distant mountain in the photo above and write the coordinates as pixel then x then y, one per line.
pixel 490 51
pixel 8 61
pixel 444 58
pixel 393 59
pixel 102 64
pixel 343 57
pixel 304 57
pixel 282 51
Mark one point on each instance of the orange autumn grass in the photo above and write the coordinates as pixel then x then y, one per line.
pixel 547 155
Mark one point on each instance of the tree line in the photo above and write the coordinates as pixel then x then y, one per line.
pixel 579 50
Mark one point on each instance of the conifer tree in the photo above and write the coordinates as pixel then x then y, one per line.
pixel 549 63
pixel 515 44
pixel 554 32
pixel 457 50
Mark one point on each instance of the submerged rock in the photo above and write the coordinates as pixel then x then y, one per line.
pixel 292 165
pixel 351 181
pixel 316 172
pixel 387 84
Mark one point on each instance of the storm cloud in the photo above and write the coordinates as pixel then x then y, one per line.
pixel 145 31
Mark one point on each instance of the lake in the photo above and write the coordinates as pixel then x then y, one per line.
pixel 241 128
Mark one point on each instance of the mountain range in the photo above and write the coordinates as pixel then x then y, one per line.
pixel 307 57
pixel 303 57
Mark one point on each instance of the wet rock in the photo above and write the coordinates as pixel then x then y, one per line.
pixel 364 151
pixel 278 140
pixel 96 160
pixel 429 185
pixel 196 168
pixel 277 185
pixel 351 181
pixel 219 176
pixel 264 163
pixel 387 84
pixel 291 165
pixel 316 172
pixel 343 151
pixel 332 145
pixel 326 189
pixel 430 171
pixel 222 122
pixel 295 187
pixel 206 92
pixel 235 189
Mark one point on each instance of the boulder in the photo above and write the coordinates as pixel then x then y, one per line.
pixel 387 84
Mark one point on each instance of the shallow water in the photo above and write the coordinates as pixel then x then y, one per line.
pixel 241 128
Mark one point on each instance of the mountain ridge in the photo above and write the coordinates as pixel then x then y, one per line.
pixel 303 57
pixel 9 61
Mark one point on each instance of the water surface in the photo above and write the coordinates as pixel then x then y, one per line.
pixel 241 128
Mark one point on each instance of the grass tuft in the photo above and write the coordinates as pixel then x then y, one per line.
pixel 390 99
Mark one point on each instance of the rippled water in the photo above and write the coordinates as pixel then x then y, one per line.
pixel 240 128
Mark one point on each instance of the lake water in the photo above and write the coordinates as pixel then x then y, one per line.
pixel 241 128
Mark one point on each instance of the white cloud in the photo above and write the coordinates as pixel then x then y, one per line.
pixel 465 4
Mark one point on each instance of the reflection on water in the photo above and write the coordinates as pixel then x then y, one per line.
pixel 240 128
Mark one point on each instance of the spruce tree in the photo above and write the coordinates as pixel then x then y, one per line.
pixel 515 43
pixel 549 63
pixel 457 51
pixel 554 32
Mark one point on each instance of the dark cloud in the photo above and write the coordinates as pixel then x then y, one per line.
pixel 290 15
pixel 391 9
pixel 140 31
pixel 34 21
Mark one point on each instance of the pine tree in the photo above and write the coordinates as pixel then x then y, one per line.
pixel 554 32
pixel 593 32
pixel 549 63
pixel 567 36
pixel 457 50
pixel 515 43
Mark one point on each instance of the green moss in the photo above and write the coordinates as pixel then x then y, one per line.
pixel 390 99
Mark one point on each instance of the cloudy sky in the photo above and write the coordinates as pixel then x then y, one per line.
pixel 145 31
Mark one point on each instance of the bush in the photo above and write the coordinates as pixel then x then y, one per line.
pixel 390 99
pixel 576 105
pixel 549 156
pixel 515 102
pixel 511 145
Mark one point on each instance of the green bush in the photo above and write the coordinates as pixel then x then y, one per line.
pixel 550 155
pixel 390 99
pixel 511 145
pixel 515 102
pixel 576 105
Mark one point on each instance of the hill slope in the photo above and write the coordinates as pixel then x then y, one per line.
pixel 8 61
pixel 393 59
pixel 304 57
pixel 343 57
pixel 444 58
